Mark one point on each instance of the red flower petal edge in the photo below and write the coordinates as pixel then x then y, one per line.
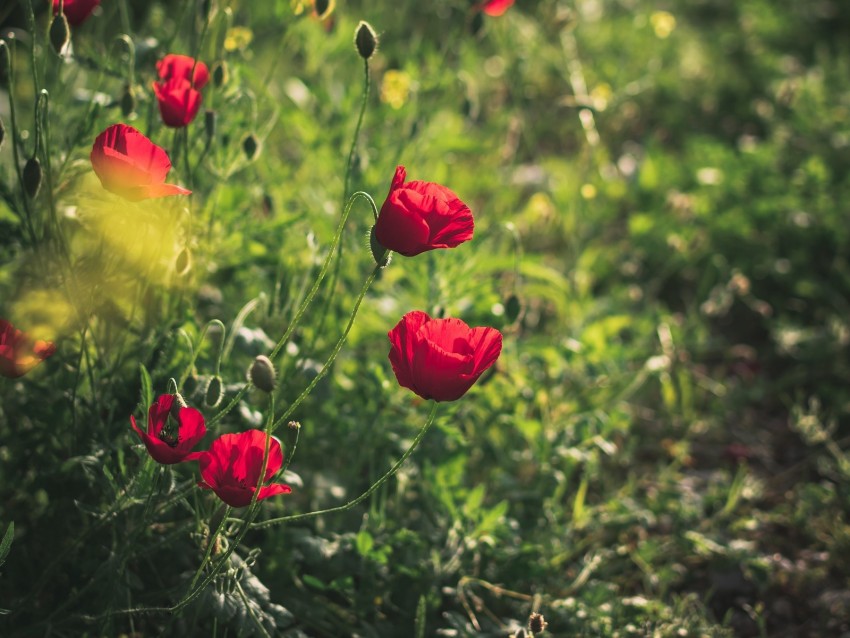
pixel 441 359
pixel 231 468
pixel 76 11
pixel 496 8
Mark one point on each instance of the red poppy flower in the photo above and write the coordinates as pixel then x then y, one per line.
pixel 178 91
pixel 179 66
pixel 231 467
pixel 496 7
pixel 420 216
pixel 76 11
pixel 441 359
pixel 132 166
pixel 170 443
pixel 178 101
pixel 18 353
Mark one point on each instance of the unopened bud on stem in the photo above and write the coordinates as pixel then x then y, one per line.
pixel 32 176
pixel 250 147
pixel 59 33
pixel 5 63
pixel 214 392
pixel 219 73
pixel 379 253
pixel 262 373
pixel 128 101
pixel 365 40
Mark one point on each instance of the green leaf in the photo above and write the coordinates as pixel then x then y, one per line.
pixel 6 543
pixel 147 387
pixel 364 542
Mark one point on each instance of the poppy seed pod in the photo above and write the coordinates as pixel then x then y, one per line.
pixel 59 32
pixel 365 40
pixel 214 392
pixel 262 373
pixel 32 176
pixel 537 624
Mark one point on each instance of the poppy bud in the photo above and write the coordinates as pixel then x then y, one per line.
pixel 128 101
pixel 477 23
pixel 209 124
pixel 262 373
pixel 365 40
pixel 178 403
pixel 250 147
pixel 59 33
pixel 5 68
pixel 380 254
pixel 184 259
pixel 512 308
pixel 536 623
pixel 322 7
pixel 32 176
pixel 219 74
pixel 214 392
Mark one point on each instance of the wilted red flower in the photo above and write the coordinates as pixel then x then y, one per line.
pixel 420 216
pixel 441 359
pixel 76 11
pixel 175 65
pixel 170 438
pixel 132 166
pixel 231 467
pixel 18 353
pixel 178 92
pixel 496 7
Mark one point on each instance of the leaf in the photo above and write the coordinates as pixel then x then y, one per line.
pixel 364 542
pixel 6 543
pixel 314 582
pixel 147 387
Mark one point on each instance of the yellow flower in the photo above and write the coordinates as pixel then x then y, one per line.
pixel 238 38
pixel 663 23
pixel 395 88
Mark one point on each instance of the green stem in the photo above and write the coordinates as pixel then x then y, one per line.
pixel 210 546
pixel 304 304
pixel 334 352
pixel 350 162
pixel 367 493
